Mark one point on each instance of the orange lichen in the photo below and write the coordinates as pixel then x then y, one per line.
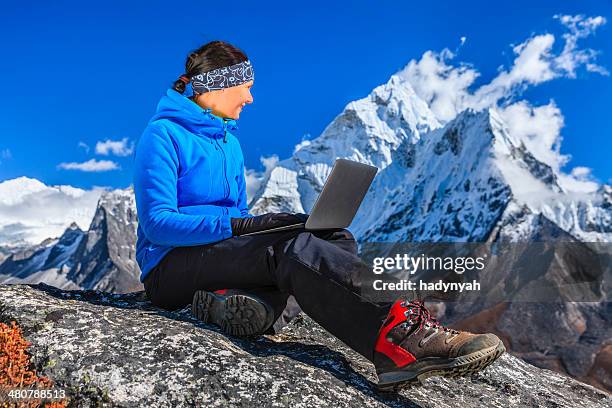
pixel 15 371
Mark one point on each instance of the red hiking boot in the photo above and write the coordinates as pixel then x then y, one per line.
pixel 412 345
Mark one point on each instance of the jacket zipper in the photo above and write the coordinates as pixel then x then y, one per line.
pixel 226 186
pixel 224 131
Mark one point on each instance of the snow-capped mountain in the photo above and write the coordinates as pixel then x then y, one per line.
pixel 481 173
pixel 46 262
pixel 369 130
pixel 435 184
pixel 103 257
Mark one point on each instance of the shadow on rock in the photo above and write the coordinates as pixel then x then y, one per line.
pixel 320 356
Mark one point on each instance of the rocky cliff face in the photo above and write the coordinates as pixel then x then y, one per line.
pixel 118 350
pixel 106 258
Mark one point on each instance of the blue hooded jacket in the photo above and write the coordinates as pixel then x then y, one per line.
pixel 188 180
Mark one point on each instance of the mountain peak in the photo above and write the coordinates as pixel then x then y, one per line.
pixel 73 226
pixel 368 129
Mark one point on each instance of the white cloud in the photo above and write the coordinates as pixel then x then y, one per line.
pixel 84 146
pixel 581 172
pixel 570 58
pixel 91 165
pixel 116 147
pixel 580 180
pixel 539 128
pixel 255 178
pixel 31 211
pixel 442 86
pixel 303 143
pixel 445 86
pixel 532 66
pixel 269 163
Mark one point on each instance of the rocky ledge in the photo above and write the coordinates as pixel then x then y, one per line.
pixel 119 350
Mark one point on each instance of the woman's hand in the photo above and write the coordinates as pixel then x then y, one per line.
pixel 247 225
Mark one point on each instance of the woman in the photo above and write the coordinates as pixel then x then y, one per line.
pixel 191 200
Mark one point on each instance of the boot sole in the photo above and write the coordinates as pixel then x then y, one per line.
pixel 450 368
pixel 237 315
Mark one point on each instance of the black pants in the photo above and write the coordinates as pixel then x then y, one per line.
pixel 320 269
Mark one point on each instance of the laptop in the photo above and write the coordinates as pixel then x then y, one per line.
pixel 338 202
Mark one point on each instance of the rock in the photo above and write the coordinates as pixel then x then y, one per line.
pixel 118 350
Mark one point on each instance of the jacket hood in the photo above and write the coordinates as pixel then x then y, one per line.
pixel 181 110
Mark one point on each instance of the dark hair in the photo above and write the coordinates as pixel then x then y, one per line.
pixel 213 55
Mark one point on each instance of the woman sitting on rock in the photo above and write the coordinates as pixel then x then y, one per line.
pixel 189 181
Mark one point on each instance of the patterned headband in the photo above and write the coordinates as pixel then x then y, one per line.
pixel 220 78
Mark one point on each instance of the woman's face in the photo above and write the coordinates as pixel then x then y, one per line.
pixel 227 102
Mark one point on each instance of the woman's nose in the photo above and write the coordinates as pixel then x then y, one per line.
pixel 249 98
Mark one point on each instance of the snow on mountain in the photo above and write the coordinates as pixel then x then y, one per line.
pixel 46 262
pixel 587 216
pixel 31 211
pixel 103 257
pixel 455 202
pixel 479 170
pixel 451 183
pixel 368 130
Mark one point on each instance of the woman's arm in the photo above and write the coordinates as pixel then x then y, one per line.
pixel 155 179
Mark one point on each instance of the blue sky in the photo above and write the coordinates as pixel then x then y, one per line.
pixel 75 73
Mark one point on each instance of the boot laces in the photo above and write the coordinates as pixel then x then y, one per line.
pixel 423 317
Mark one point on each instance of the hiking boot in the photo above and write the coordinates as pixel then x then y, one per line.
pixel 412 345
pixel 236 312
